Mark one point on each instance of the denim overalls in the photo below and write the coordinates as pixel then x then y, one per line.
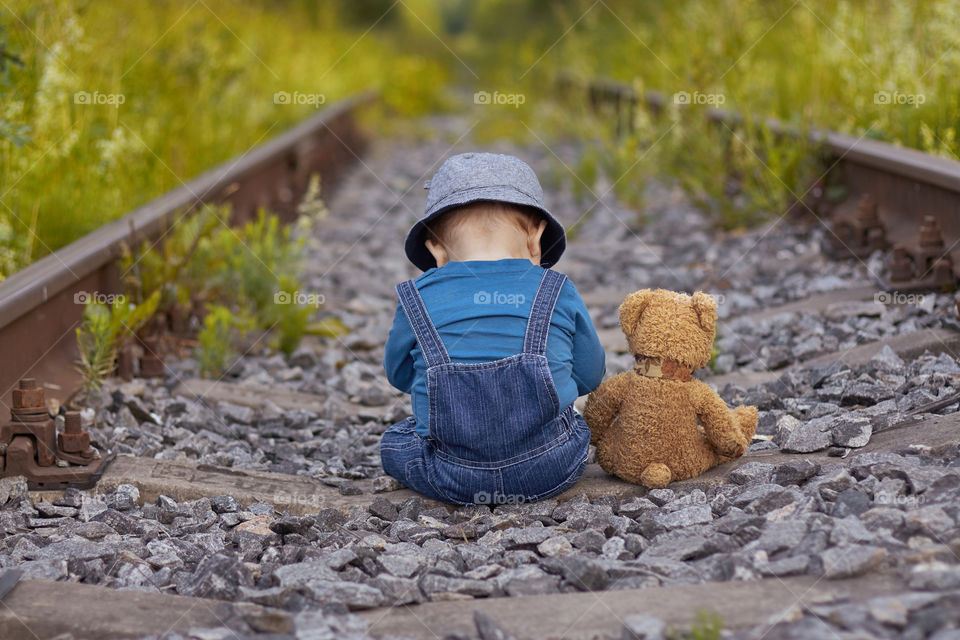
pixel 497 431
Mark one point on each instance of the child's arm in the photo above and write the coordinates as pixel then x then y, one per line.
pixel 397 353
pixel 589 362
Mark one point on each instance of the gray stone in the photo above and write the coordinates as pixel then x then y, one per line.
pixel 849 431
pixel 661 496
pixel 13 489
pixel 487 628
pixel 851 560
pixel 585 574
pixel 794 436
pixel 526 537
pixel 217 576
pixel 887 359
pixel 636 506
pixel 224 504
pixel 697 514
pixel 752 473
pixel 639 626
pixel 351 594
pixel 402 566
pixel 850 530
pixel 386 484
pixel 555 546
pixel 931 520
pixel 433 584
pixel 383 509
pixel 300 573
pixel 865 393
pixel 398 591
pixel 589 540
pixel 935 576
pixel 851 502
pixel 789 566
pixel 794 472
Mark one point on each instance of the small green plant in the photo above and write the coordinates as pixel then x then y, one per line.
pixel 103 330
pixel 707 626
pixel 222 329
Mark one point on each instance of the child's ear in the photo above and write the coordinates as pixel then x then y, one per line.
pixel 438 251
pixel 533 242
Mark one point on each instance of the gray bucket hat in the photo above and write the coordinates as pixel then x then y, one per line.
pixel 472 177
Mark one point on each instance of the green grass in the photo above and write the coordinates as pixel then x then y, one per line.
pixel 181 87
pixel 873 68
pixel 198 80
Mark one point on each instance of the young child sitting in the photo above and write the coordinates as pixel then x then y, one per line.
pixel 493 346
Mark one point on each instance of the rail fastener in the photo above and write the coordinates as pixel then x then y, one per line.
pixel 33 448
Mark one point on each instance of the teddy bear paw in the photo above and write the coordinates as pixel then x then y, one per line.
pixel 732 448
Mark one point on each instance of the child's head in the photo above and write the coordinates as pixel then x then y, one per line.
pixel 486 230
pixel 485 206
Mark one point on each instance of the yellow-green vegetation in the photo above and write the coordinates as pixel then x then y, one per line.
pixel 707 625
pixel 251 272
pixel 874 68
pixel 223 328
pixel 104 105
pixel 103 331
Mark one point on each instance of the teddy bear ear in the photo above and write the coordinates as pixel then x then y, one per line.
pixel 706 309
pixel 632 309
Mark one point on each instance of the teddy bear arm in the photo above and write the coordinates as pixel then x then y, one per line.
pixel 603 405
pixel 717 420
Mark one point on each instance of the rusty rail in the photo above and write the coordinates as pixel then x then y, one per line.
pixel 899 200
pixel 38 313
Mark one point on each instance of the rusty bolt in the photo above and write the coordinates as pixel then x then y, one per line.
pixel 73 439
pixel 900 267
pixel 867 212
pixel 71 422
pixel 930 233
pixel 151 364
pixel 28 395
pixel 943 272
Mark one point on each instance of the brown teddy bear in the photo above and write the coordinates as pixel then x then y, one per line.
pixel 645 422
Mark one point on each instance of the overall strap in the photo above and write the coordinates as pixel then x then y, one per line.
pixel 538 326
pixel 433 350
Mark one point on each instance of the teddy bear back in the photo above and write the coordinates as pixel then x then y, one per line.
pixel 667 324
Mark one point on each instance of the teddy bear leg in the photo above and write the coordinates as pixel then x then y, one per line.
pixel 656 475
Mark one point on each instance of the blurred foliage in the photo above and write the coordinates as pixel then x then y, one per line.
pixel 104 107
pixel 254 270
pixel 102 332
pixel 197 84
pixel 223 329
pixel 871 68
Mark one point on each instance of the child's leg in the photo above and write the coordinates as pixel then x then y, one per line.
pixel 401 453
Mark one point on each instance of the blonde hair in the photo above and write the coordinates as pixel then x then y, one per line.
pixel 490 213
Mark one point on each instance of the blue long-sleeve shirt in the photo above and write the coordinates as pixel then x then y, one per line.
pixel 480 309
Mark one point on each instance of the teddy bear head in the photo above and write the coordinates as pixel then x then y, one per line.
pixel 666 324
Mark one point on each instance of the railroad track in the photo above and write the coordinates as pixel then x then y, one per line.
pixel 898 200
pixel 185 542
